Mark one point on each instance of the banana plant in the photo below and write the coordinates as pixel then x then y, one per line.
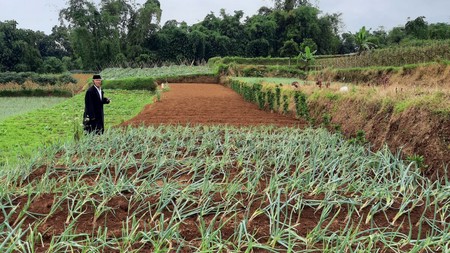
pixel 362 40
pixel 307 57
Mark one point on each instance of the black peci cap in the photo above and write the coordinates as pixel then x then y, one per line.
pixel 97 77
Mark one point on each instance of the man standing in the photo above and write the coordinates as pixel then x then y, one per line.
pixel 93 107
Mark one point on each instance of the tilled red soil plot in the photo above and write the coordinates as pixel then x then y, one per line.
pixel 207 104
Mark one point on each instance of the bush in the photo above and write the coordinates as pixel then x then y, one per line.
pixel 262 71
pixel 301 105
pixel 44 79
pixel 48 79
pixel 66 78
pixel 131 84
pixel 53 65
pixel 35 93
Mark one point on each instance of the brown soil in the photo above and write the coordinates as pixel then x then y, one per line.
pixel 417 131
pixel 127 204
pixel 412 132
pixel 207 104
pixel 83 80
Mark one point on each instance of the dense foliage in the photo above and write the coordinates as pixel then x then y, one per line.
pixel 157 73
pixel 122 33
pixel 20 78
pixel 134 83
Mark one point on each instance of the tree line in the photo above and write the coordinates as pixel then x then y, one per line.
pixel 122 33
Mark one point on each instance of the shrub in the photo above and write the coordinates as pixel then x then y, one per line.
pixel 301 106
pixel 278 96
pixel 47 79
pixel 285 104
pixel 131 84
pixel 12 77
pixel 66 78
pixel 44 79
pixel 53 65
pixel 326 119
pixel 271 100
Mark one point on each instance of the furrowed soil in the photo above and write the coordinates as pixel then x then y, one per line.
pixel 49 215
pixel 211 104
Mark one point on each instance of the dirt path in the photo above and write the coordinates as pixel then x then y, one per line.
pixel 207 104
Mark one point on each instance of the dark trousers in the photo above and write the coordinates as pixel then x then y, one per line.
pixel 94 126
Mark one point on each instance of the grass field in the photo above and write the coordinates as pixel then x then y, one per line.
pixel 161 72
pixel 21 134
pixel 11 106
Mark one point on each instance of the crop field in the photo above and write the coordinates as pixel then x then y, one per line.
pixel 220 189
pixel 225 185
pixel 20 135
pixel 161 72
pixel 11 106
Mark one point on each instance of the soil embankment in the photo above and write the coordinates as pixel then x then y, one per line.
pixel 419 130
pixel 414 131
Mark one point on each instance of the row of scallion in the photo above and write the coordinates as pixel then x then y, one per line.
pixel 241 189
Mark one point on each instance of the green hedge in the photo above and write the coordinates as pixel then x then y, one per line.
pixel 147 83
pixel 367 74
pixel 263 60
pixel 272 98
pixel 35 93
pixel 262 71
pixel 393 56
pixel 411 53
pixel 41 79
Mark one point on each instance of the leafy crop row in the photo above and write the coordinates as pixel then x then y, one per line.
pixel 156 73
pixel 312 191
pixel 272 97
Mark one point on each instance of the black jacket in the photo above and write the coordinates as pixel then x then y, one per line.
pixel 93 110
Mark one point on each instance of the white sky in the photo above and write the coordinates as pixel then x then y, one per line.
pixel 43 14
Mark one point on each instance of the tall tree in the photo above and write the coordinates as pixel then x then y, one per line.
pixel 18 48
pixel 145 22
pixel 288 5
pixel 84 24
pixel 417 28
pixel 108 34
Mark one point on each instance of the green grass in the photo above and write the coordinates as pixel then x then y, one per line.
pixel 436 102
pixel 11 106
pixel 20 135
pixel 275 80
pixel 157 73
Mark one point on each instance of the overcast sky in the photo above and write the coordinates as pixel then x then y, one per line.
pixel 42 15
